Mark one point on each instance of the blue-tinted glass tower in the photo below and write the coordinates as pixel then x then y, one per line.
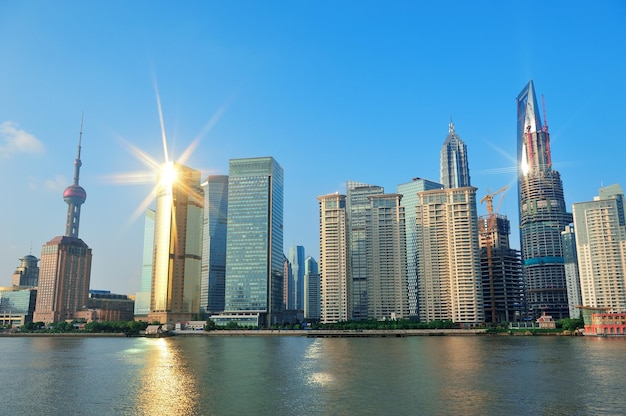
pixel 296 259
pixel 453 161
pixel 254 254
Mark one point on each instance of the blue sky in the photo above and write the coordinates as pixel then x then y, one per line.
pixel 334 91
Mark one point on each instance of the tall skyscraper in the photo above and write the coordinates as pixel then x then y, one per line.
pixel 448 258
pixel 453 161
pixel 296 259
pixel 142 298
pixel 311 290
pixel 542 212
pixel 600 228
pixel 387 288
pixel 357 205
pixel 65 267
pixel 214 244
pixel 175 290
pixel 333 266
pixel 254 254
pixel 501 270
pixel 572 277
pixel 27 273
pixel 409 201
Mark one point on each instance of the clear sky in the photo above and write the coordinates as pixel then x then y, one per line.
pixel 333 90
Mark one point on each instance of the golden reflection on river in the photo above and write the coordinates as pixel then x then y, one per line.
pixel 168 387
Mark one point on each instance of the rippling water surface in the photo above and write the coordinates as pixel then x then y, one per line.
pixel 464 375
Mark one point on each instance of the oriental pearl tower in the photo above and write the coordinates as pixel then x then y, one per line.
pixel 74 196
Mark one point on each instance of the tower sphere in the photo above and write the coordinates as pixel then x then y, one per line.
pixel 75 194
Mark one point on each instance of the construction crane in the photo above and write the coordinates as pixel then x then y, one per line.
pixel 488 238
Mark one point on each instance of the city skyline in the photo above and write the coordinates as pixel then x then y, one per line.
pixel 321 91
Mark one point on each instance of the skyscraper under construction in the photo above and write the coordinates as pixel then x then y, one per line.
pixel 542 212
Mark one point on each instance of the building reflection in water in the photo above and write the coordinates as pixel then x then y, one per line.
pixel 168 385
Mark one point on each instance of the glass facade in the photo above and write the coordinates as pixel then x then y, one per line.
pixel 409 201
pixel 142 300
pixel 311 290
pixel 296 259
pixel 254 255
pixel 175 293
pixel 214 244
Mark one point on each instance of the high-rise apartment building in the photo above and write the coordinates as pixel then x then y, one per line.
pixel 215 221
pixel 254 243
pixel 142 298
pixel 27 273
pixel 572 277
pixel 296 259
pixel 175 289
pixel 409 201
pixel 600 228
pixel 358 204
pixel 448 257
pixel 542 212
pixel 65 266
pixel 501 271
pixel 453 161
pixel 387 289
pixel 333 265
pixel 311 290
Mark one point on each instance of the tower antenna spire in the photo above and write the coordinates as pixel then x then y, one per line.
pixel 74 195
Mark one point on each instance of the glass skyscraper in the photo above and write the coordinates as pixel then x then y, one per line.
pixel 453 161
pixel 175 291
pixel 358 205
pixel 254 255
pixel 142 298
pixel 542 212
pixel 296 259
pixel 311 290
pixel 409 201
pixel 214 244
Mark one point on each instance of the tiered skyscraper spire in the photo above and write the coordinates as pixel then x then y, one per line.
pixel 74 195
pixel 454 164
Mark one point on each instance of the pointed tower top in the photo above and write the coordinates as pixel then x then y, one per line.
pixel 451 126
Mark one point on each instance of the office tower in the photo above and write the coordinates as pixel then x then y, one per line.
pixel 542 212
pixel 600 228
pixel 387 288
pixel 254 244
pixel 453 161
pixel 27 273
pixel 17 305
pixel 214 244
pixel 288 301
pixel 65 266
pixel 142 298
pixel 296 259
pixel 358 204
pixel 409 201
pixel 175 291
pixel 311 290
pixel 572 277
pixel 501 271
pixel 333 265
pixel 448 258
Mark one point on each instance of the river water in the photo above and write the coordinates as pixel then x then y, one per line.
pixel 199 375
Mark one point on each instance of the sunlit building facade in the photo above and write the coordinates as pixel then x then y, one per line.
pixel 448 257
pixel 65 265
pixel 296 259
pixel 254 244
pixel 409 201
pixel 17 305
pixel 333 265
pixel 542 212
pixel 27 273
pixel 358 205
pixel 387 288
pixel 600 228
pixel 142 298
pixel 175 289
pixel 214 244
pixel 453 161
